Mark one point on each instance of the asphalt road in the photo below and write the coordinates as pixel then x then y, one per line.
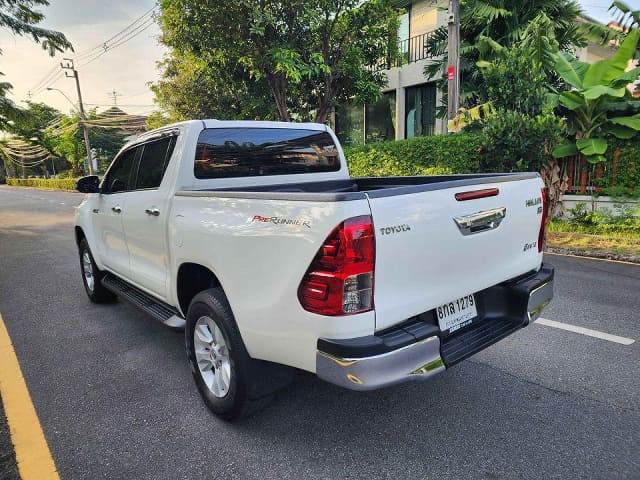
pixel 116 399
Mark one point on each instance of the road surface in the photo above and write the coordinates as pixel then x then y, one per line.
pixel 116 400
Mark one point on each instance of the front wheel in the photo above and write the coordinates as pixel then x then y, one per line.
pixel 92 277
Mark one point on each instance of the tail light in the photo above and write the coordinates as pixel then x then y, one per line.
pixel 545 218
pixel 339 280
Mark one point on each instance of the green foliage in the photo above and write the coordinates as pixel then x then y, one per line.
pixel 486 26
pixel 435 155
pixel 54 183
pixel 302 56
pixel 602 221
pixel 626 180
pixel 598 105
pixel 623 15
pixel 157 119
pixel 519 132
pixel 516 141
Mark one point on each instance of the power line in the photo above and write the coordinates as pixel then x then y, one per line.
pixel 123 36
pixel 133 34
pixel 104 45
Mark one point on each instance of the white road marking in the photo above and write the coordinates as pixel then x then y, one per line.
pixel 586 331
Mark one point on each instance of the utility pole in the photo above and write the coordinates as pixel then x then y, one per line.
pixel 453 64
pixel 115 96
pixel 69 66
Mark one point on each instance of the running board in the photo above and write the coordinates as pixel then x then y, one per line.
pixel 145 302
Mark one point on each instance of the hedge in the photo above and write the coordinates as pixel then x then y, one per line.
pixel 55 183
pixel 434 155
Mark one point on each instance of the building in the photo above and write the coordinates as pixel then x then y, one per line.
pixel 408 105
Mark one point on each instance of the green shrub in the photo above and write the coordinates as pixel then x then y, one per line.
pixel 600 222
pixel 2 180
pixel 435 155
pixel 55 183
pixel 626 181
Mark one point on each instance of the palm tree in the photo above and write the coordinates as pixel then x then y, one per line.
pixel 487 24
pixel 19 17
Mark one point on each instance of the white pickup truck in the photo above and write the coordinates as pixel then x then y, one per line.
pixel 253 238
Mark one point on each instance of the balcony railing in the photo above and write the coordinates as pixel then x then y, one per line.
pixel 413 49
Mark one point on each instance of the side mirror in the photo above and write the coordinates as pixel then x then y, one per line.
pixel 90 184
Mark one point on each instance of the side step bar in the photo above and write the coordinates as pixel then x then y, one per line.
pixel 145 302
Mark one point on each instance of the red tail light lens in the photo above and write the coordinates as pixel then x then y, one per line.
pixel 339 280
pixel 545 219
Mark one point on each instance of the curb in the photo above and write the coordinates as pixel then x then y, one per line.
pixel 593 254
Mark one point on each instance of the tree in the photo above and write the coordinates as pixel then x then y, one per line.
pixel 20 17
pixel 30 125
pixel 520 130
pixel 307 55
pixel 67 141
pixel 624 16
pixel 209 86
pixel 598 104
pixel 543 25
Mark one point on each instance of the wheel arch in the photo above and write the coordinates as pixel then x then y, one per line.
pixel 79 233
pixel 193 278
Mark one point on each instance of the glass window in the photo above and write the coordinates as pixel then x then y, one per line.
pixel 120 175
pixel 403 33
pixel 153 162
pixel 381 119
pixel 420 110
pixel 350 124
pixel 251 152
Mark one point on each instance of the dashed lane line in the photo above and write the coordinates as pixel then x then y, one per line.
pixel 32 452
pixel 585 331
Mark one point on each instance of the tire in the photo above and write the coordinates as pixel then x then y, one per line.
pixel 230 382
pixel 92 276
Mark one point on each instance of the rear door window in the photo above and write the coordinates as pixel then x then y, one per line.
pixel 120 176
pixel 252 152
pixel 153 162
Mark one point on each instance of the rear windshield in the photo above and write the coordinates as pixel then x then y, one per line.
pixel 252 152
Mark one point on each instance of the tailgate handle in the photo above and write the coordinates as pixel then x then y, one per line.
pixel 480 221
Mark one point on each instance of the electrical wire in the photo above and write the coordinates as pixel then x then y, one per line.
pixel 123 36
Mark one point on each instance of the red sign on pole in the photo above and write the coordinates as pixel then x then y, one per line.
pixel 451 71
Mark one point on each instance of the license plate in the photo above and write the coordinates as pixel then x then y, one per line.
pixel 457 313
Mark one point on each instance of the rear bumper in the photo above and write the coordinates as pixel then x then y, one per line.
pixel 418 350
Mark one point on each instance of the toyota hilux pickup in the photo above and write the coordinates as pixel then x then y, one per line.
pixel 252 237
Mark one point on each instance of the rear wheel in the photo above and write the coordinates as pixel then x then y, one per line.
pixel 92 276
pixel 229 380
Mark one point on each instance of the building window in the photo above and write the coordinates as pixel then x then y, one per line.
pixel 380 119
pixel 404 32
pixel 420 110
pixel 350 124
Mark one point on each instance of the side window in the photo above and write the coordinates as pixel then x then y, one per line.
pixel 119 177
pixel 153 162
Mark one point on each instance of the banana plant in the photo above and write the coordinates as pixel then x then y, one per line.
pixel 598 103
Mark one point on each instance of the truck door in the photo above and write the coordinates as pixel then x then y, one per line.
pixel 145 220
pixel 112 203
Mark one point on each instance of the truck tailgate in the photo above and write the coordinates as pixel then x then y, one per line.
pixel 425 259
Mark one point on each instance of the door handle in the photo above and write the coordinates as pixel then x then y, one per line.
pixel 152 211
pixel 116 209
pixel 480 221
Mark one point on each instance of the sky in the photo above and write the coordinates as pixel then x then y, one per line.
pixel 126 69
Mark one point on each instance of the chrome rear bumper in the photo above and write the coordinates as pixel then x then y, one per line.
pixel 368 363
pixel 418 361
